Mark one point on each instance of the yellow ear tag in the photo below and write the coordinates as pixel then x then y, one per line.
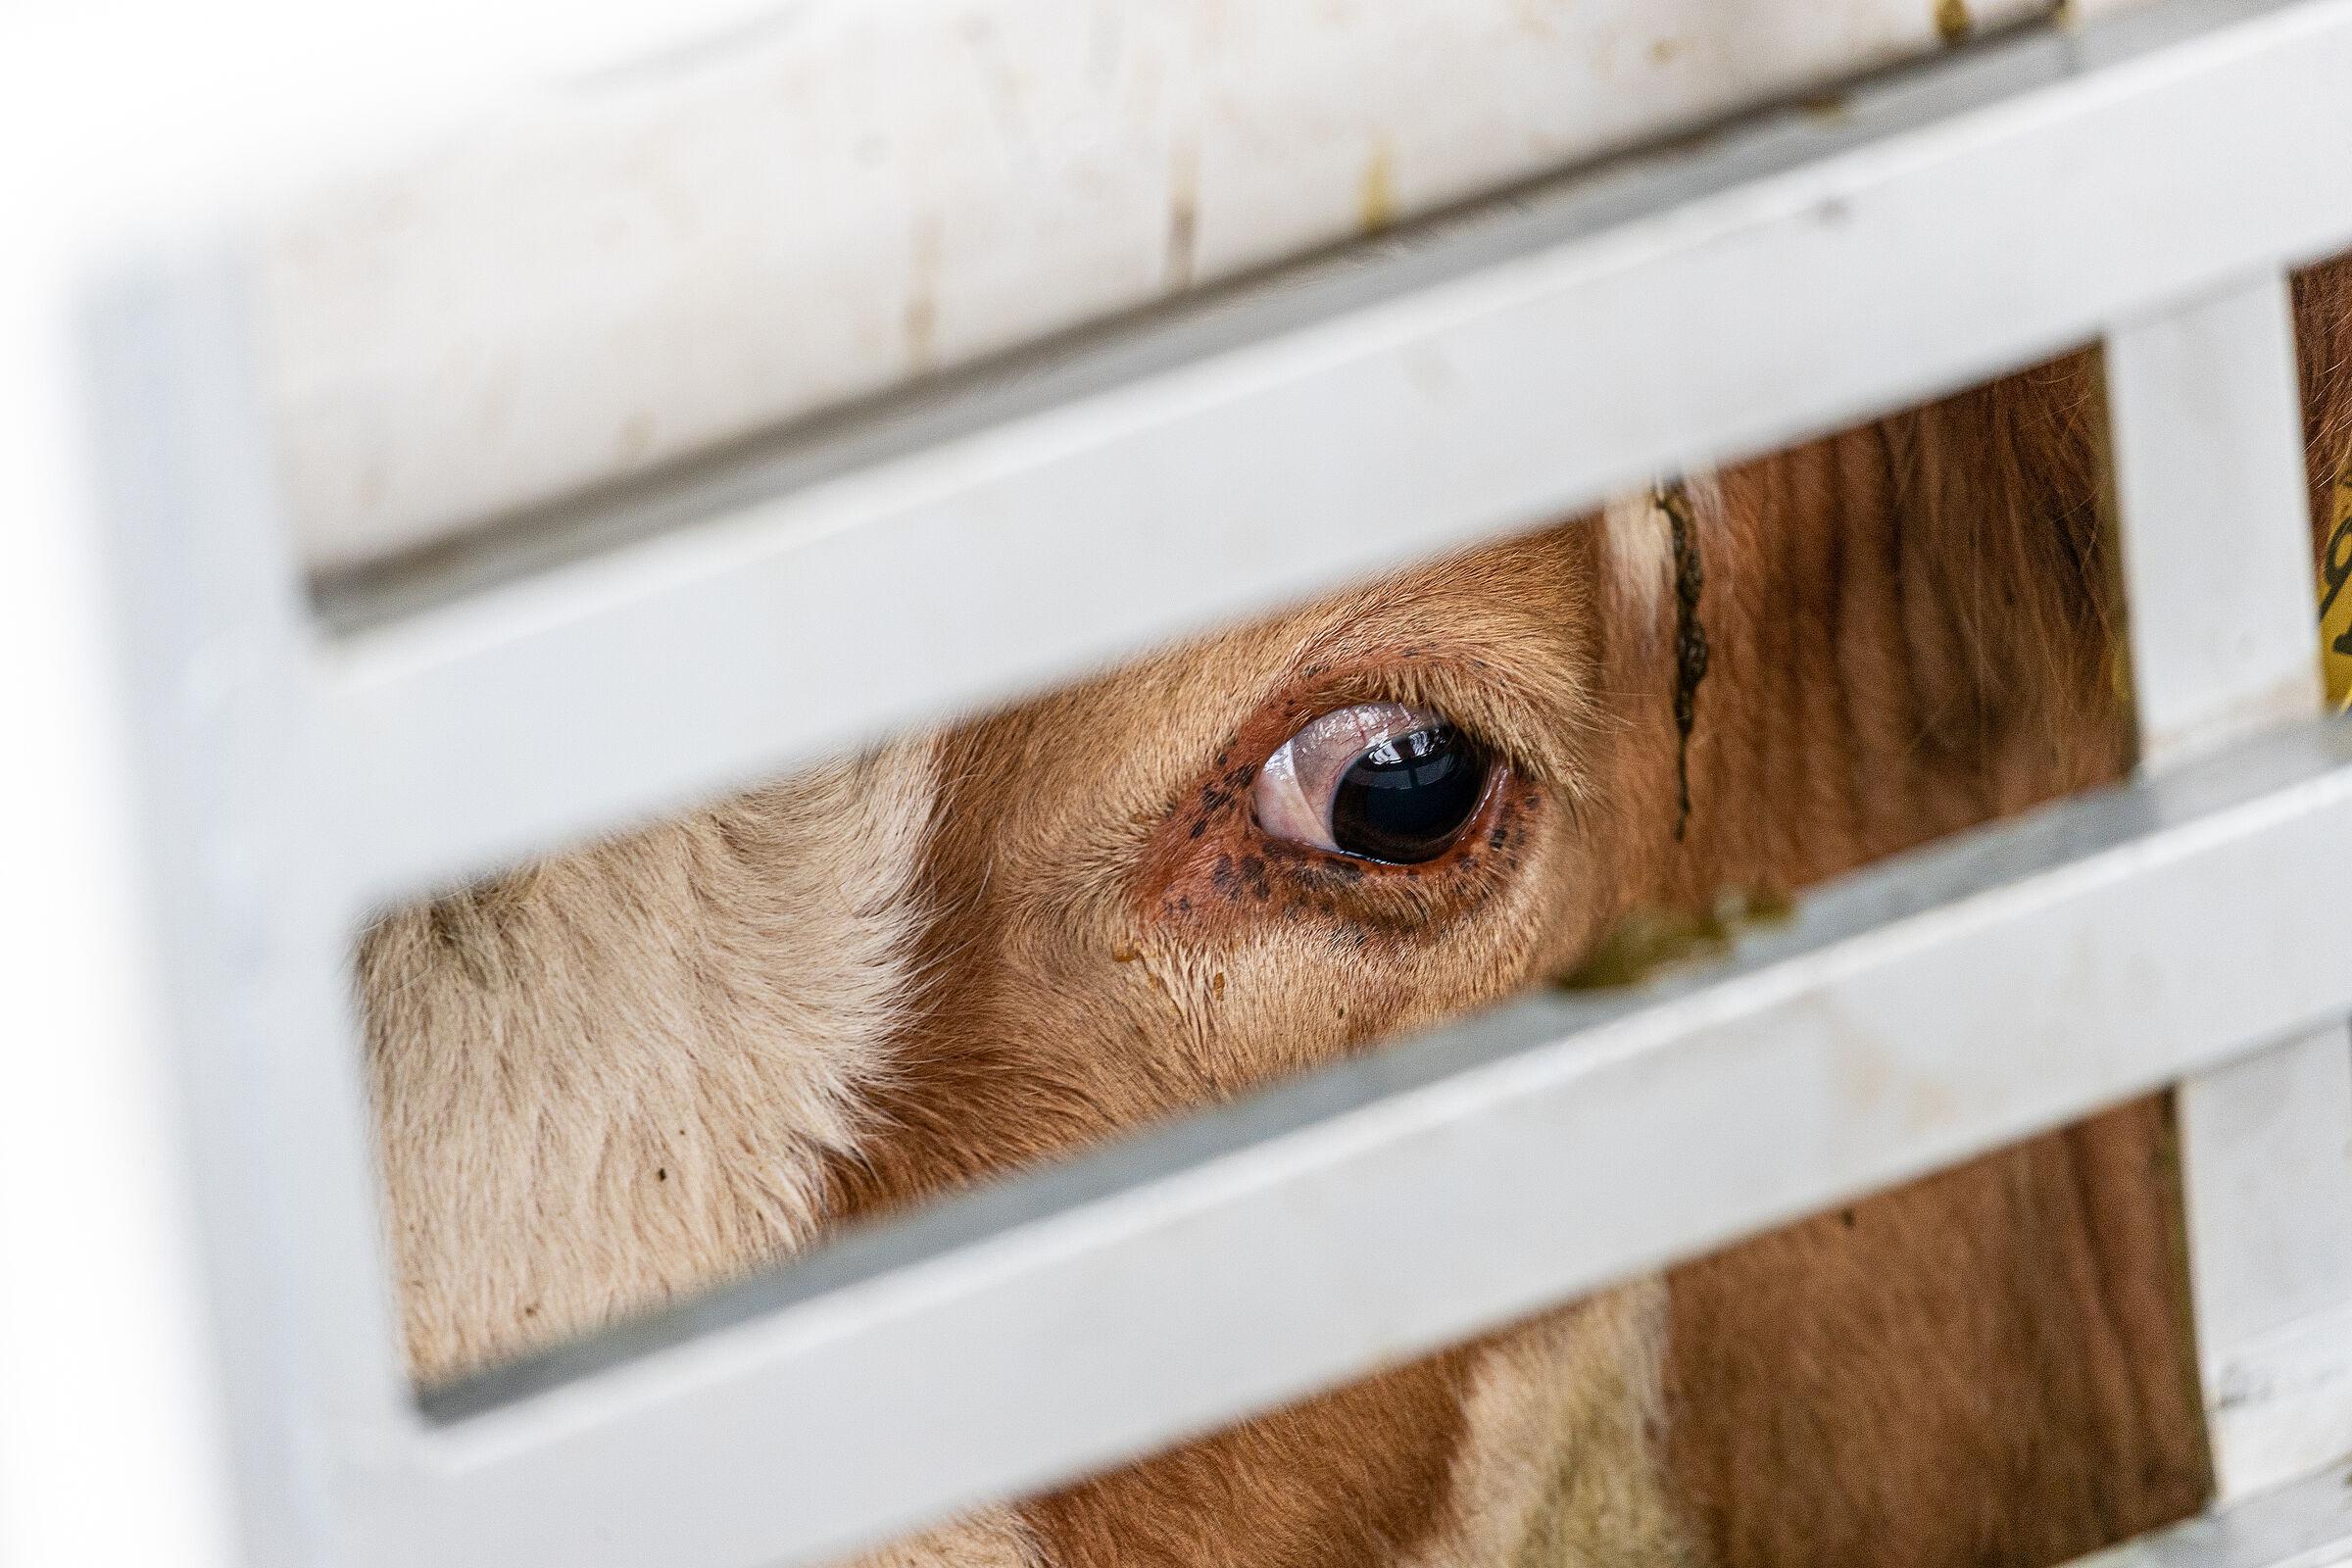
pixel 2335 595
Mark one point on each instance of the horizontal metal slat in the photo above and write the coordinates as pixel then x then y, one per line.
pixel 821 203
pixel 1074 1317
pixel 1488 375
pixel 2306 1525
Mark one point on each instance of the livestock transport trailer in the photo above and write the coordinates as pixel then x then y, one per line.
pixel 432 437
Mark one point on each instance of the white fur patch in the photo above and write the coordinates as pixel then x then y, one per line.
pixel 1638 547
pixel 1639 553
pixel 1560 1466
pixel 617 1076
pixel 993 1537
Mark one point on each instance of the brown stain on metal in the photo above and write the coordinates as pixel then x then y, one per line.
pixel 922 294
pixel 635 438
pixel 1876 1081
pixel 1376 199
pixel 1184 220
pixel 1649 941
pixel 1952 20
pixel 1858 1065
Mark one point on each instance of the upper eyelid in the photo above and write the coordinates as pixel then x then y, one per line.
pixel 1529 718
pixel 1353 739
pixel 1398 719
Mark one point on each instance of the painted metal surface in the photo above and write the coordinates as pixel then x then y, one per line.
pixel 2307 1525
pixel 2207 431
pixel 2208 443
pixel 2267 1150
pixel 112 1427
pixel 252 970
pixel 841 195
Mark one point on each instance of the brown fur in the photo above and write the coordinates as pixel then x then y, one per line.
pixel 1986 1367
pixel 1989 1366
pixel 1076 927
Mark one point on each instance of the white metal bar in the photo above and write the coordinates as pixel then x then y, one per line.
pixel 255 950
pixel 1508 372
pixel 2307 1525
pixel 2207 434
pixel 1412 1197
pixel 853 231
pixel 2266 1153
pixel 111 1423
pixel 2207 429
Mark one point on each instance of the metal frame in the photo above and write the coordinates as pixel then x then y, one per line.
pixel 1509 365
pixel 2307 1524
pixel 2207 424
pixel 825 243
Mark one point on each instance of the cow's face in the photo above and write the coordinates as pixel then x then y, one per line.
pixel 1253 854
pixel 1248 856
pixel 659 1060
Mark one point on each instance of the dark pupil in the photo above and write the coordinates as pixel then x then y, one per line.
pixel 1406 800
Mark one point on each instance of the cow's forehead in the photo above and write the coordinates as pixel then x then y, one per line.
pixel 1501 639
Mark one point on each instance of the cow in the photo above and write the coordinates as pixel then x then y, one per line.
pixel 673 1056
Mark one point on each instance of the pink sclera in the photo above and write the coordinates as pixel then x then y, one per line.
pixel 1294 791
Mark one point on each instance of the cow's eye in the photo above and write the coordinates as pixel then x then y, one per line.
pixel 1378 780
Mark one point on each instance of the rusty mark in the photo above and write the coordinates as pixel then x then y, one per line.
pixel 1184 219
pixel 922 293
pixel 1648 940
pixel 634 438
pixel 1952 20
pixel 1873 1078
pixel 1376 200
pixel 1863 1074
pixel 1007 90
